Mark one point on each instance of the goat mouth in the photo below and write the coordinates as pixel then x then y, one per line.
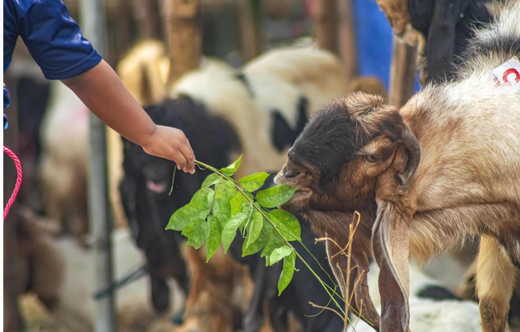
pixel 302 193
pixel 156 187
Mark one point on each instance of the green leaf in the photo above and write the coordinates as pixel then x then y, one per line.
pixel 225 189
pixel 215 233
pixel 261 241
pixel 204 196
pixel 289 264
pixel 230 229
pixel 231 169
pixel 222 210
pixel 275 242
pixel 185 214
pixel 275 196
pixel 197 232
pixel 288 224
pixel 279 253
pixel 236 203
pixel 254 228
pixel 254 181
pixel 210 180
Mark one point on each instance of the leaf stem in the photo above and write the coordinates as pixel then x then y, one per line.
pixel 262 212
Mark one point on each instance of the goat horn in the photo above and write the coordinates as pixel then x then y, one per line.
pixel 413 148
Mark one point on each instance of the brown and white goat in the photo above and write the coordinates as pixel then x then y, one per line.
pixel 443 167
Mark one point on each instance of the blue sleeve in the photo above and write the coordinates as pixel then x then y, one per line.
pixel 55 41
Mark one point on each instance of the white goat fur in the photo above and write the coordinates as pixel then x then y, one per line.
pixel 425 314
pixel 277 80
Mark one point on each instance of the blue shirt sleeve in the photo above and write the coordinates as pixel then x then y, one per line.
pixel 55 41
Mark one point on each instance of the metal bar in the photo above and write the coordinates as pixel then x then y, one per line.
pixel 93 23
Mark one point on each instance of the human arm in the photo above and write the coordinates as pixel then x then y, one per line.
pixel 104 94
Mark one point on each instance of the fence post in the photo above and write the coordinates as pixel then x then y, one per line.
pixel 326 24
pixel 402 73
pixel 250 18
pixel 93 24
pixel 183 35
pixel 347 42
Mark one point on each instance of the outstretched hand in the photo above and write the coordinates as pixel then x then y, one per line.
pixel 171 143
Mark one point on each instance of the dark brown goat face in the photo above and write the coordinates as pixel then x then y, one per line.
pixel 338 157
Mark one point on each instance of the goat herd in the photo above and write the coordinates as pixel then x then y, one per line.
pixel 443 168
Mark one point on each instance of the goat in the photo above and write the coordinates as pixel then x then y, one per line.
pixel 242 102
pixel 269 100
pixel 144 189
pixel 59 272
pixel 292 300
pixel 433 308
pixel 64 164
pixel 443 167
pixel 443 28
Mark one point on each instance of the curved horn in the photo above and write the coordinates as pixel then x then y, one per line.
pixel 413 148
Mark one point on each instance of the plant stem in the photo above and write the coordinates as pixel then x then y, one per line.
pixel 262 212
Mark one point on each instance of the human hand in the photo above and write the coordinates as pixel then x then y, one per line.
pixel 171 143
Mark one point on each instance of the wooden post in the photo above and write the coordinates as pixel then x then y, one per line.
pixel 250 16
pixel 123 28
pixel 347 41
pixel 402 73
pixel 326 24
pixel 148 17
pixel 93 24
pixel 184 37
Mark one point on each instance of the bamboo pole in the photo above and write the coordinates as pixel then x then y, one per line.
pixel 402 73
pixel 250 28
pixel 148 17
pixel 93 22
pixel 347 42
pixel 326 24
pixel 184 36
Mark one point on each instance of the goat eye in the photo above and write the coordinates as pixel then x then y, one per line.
pixel 370 158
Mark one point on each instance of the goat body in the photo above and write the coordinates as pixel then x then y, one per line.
pixel 424 178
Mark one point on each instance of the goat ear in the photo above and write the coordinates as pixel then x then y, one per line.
pixel 413 149
pixel 390 246
pixel 358 281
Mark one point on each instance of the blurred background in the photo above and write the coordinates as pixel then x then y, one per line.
pixel 194 65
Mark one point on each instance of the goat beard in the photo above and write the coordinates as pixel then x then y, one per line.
pixel 334 226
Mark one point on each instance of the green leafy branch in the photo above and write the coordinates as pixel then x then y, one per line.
pixel 224 206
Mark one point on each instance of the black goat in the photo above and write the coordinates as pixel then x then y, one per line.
pixel 446 26
pixel 304 287
pixel 144 188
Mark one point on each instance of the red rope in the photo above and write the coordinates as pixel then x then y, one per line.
pixel 18 180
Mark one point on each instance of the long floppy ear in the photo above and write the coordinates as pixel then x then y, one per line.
pixel 390 245
pixel 413 149
pixel 357 282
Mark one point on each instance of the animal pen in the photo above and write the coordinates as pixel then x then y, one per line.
pixel 333 140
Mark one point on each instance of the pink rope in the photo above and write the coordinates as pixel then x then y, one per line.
pixel 18 180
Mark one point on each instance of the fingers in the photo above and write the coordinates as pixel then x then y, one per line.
pixel 179 159
pixel 188 155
